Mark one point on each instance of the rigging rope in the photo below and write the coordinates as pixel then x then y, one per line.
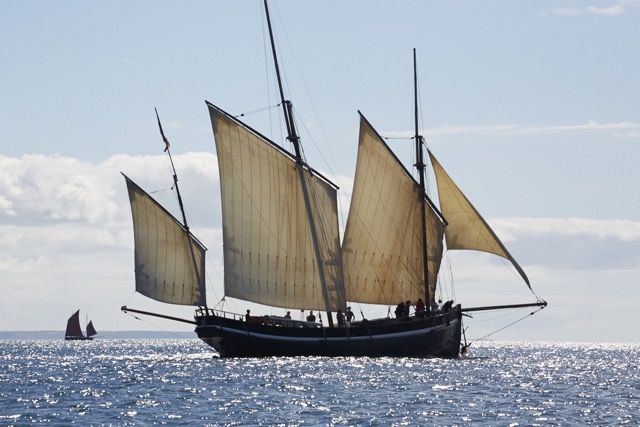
pixel 154 325
pixel 506 326
pixel 259 110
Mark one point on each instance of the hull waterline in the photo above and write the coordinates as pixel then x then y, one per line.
pixel 271 336
pixel 78 338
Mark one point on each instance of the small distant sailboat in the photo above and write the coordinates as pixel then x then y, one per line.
pixel 74 331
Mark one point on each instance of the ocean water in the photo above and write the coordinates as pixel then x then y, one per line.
pixel 182 382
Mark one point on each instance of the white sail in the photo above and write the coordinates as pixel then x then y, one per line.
pixel 270 253
pixel 169 261
pixel 466 229
pixel 382 248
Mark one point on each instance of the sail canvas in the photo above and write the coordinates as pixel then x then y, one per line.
pixel 382 247
pixel 169 261
pixel 270 253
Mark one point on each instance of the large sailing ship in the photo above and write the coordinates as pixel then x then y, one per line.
pixel 281 248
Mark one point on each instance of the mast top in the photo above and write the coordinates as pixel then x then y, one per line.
pixel 287 108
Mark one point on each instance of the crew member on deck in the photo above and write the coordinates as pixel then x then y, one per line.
pixel 434 307
pixel 311 317
pixel 399 311
pixel 350 315
pixel 340 316
pixel 420 308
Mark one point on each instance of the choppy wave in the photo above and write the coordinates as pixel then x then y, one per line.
pixel 181 382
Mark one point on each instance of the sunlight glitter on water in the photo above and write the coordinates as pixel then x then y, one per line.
pixel 130 382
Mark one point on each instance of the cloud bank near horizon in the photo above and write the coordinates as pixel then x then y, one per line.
pixel 66 234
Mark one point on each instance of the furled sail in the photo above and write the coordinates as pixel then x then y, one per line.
pixel 73 326
pixel 269 250
pixel 382 249
pixel 91 331
pixel 169 261
pixel 466 229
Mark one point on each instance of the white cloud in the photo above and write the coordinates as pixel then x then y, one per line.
pixel 573 244
pixel 175 124
pixel 616 8
pixel 623 230
pixel 66 243
pixel 606 11
pixel 625 129
pixel 563 11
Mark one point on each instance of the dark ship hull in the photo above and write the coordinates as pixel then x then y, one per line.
pixel 271 336
pixel 78 338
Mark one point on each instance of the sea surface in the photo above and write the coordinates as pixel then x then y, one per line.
pixel 143 382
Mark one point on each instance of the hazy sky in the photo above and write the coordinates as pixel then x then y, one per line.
pixel 532 106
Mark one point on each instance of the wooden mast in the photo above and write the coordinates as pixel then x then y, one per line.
pixel 420 166
pixel 184 216
pixel 295 140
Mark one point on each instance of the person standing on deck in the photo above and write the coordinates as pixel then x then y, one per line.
pixel 340 317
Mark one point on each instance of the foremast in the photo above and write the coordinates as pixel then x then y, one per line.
pixel 293 137
pixel 184 216
pixel 169 259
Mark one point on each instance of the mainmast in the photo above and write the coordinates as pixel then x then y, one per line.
pixel 295 140
pixel 421 170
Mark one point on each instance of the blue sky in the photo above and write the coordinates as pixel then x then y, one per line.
pixel 531 106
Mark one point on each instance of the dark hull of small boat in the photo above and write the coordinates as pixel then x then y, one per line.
pixel 269 337
pixel 78 338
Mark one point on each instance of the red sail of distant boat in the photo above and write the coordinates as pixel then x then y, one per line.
pixel 91 331
pixel 74 331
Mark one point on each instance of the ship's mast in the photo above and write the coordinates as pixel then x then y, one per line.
pixel 295 140
pixel 184 216
pixel 421 171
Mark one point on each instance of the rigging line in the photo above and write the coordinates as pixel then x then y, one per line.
pixel 267 50
pixel 450 275
pixel 210 282
pixel 322 223
pixel 267 67
pixel 506 326
pixel 154 325
pixel 320 152
pixel 306 87
pixel 281 72
pixel 498 316
pixel 189 218
pixel 510 267
pixel 335 176
pixel 161 190
pixel 322 226
pixel 397 138
pixel 259 110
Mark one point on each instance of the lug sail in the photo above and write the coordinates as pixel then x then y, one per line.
pixel 269 253
pixel 91 331
pixel 466 229
pixel 382 248
pixel 169 261
pixel 73 326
